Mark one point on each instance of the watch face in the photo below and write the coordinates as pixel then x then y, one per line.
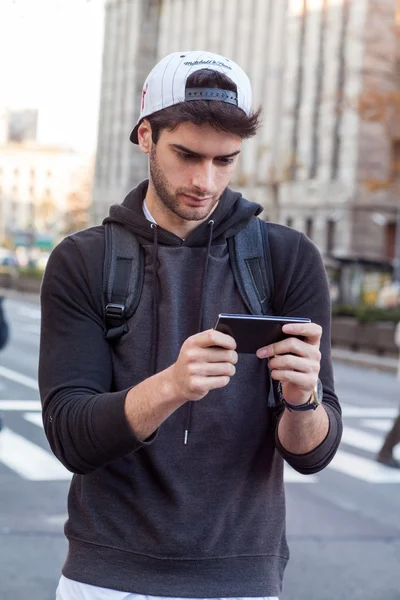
pixel 319 391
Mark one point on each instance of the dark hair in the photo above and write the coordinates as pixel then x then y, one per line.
pixel 220 115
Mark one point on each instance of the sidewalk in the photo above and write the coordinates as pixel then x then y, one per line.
pixel 388 364
pixel 17 295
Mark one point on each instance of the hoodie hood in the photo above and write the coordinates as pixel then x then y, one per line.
pixel 232 214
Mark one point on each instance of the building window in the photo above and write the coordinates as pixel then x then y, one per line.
pixel 340 99
pixel 309 227
pixel 318 96
pixel 396 160
pixel 298 91
pixel 390 240
pixel 330 235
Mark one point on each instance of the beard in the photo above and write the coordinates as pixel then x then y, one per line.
pixel 170 198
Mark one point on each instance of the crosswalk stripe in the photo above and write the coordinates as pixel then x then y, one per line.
pixel 29 460
pixel 32 313
pixel 34 328
pixel 366 411
pixel 20 405
pixel 363 468
pixel 378 424
pixel 35 418
pixel 292 476
pixel 363 440
pixel 19 378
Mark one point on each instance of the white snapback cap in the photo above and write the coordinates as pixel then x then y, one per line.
pixel 166 83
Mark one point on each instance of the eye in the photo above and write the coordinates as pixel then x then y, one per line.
pixel 186 156
pixel 225 161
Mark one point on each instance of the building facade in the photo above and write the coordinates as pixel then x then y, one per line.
pixel 42 188
pixel 129 52
pixel 18 125
pixel 321 69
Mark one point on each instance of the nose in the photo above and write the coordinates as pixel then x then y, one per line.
pixel 202 177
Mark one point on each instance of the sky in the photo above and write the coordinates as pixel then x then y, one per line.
pixel 50 59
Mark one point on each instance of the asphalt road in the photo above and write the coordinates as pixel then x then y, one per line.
pixel 343 524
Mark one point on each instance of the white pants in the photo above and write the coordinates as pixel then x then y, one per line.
pixel 74 590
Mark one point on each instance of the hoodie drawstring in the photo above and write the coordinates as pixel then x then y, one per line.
pixel 189 404
pixel 154 341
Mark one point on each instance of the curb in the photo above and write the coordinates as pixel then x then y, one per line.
pixel 387 364
pixel 18 295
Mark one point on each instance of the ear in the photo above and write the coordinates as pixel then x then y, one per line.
pixel 144 136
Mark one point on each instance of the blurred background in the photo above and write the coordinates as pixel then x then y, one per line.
pixel 326 161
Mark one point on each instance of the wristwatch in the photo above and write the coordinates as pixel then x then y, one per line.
pixel 312 403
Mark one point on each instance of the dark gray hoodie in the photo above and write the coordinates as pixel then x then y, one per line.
pixel 206 519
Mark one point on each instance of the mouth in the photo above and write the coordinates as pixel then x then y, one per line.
pixel 197 200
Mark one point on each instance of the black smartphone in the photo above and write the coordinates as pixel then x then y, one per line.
pixel 252 332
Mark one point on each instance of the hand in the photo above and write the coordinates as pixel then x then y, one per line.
pixel 206 362
pixel 294 362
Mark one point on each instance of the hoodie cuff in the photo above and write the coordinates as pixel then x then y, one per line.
pixel 110 428
pixel 321 456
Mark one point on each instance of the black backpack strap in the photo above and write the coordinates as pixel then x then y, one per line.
pixel 123 274
pixel 250 258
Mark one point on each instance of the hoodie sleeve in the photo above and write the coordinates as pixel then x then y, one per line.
pixel 301 289
pixel 84 421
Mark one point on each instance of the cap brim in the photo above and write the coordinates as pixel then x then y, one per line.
pixel 134 135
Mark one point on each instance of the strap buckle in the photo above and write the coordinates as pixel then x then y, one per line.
pixel 115 311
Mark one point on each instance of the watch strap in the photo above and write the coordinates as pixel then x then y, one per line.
pixel 311 404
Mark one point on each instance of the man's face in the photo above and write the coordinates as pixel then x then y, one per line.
pixel 190 168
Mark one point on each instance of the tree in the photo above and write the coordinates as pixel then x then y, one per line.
pixel 78 201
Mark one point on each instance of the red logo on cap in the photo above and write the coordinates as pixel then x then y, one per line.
pixel 144 94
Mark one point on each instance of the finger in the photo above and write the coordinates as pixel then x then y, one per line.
pixel 218 382
pixel 220 355
pixel 304 381
pixel 211 337
pixel 311 332
pixel 290 362
pixel 200 386
pixel 214 354
pixel 206 369
pixel 290 345
pixel 213 383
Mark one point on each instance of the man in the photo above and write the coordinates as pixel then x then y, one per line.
pixel 4 332
pixel 385 454
pixel 178 456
